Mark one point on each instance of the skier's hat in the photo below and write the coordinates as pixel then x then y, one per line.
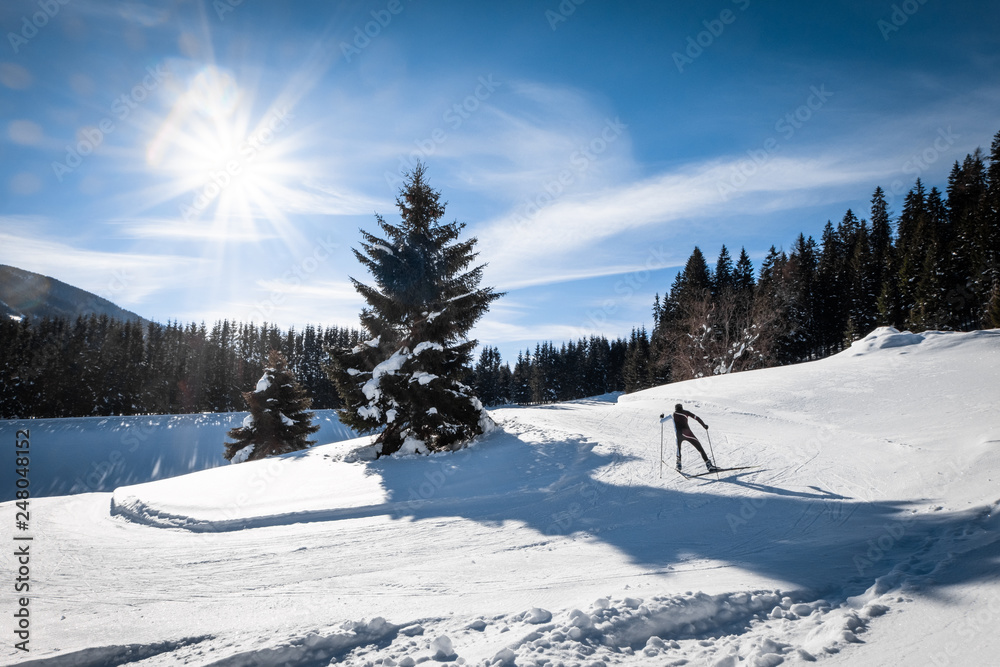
pixel 678 407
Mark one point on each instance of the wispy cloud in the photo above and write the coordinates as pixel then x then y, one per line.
pixel 321 197
pixel 341 292
pixel 125 278
pixel 537 249
pixel 495 331
pixel 178 230
pixel 292 303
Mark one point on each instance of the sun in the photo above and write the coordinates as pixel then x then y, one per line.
pixel 226 168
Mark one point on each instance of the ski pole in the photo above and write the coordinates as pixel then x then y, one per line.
pixel 712 451
pixel 661 446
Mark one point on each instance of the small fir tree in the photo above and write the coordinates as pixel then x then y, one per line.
pixel 279 421
pixel 406 379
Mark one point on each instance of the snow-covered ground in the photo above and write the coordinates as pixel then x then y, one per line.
pixel 868 536
pixel 103 453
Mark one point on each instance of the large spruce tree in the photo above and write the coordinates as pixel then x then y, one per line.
pixel 407 378
pixel 279 421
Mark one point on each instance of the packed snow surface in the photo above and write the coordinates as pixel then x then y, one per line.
pixel 868 535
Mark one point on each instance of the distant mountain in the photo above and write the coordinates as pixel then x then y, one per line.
pixel 27 294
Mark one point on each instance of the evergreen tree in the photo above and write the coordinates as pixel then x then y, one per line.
pixel 863 300
pixel 968 252
pixel 487 377
pixel 930 309
pixel 695 280
pixel 853 237
pixel 664 336
pixel 407 378
pixel 636 370
pixel 598 372
pixel 882 258
pixel 799 299
pixel 770 307
pixel 830 299
pixel 911 246
pixel 722 279
pixel 279 421
pixel 506 385
pixel 520 381
pixel 991 231
pixel 743 280
pixel 543 381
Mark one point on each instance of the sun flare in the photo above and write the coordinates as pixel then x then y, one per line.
pixel 227 168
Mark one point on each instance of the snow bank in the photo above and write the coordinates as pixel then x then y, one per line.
pixel 310 485
pixel 732 624
pixel 117 654
pixel 314 648
pixel 88 454
pixel 884 338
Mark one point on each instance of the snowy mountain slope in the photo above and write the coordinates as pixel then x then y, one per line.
pixel 24 293
pixel 85 454
pixel 6 312
pixel 869 535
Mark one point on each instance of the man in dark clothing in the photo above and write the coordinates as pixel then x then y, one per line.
pixel 684 434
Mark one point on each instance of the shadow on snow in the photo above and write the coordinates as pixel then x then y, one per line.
pixel 814 539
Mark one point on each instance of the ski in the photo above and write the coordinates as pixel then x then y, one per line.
pixel 702 474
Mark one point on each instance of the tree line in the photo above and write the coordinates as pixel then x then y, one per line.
pixel 934 266
pixel 98 365
pixel 577 369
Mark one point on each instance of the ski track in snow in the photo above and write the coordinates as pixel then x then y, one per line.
pixel 556 540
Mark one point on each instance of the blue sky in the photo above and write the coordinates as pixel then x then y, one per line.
pixel 201 160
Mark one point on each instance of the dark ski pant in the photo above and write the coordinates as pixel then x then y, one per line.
pixel 687 436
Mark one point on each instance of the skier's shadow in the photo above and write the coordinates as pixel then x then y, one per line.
pixel 734 480
pixel 565 490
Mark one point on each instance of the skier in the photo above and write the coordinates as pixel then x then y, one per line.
pixel 684 433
